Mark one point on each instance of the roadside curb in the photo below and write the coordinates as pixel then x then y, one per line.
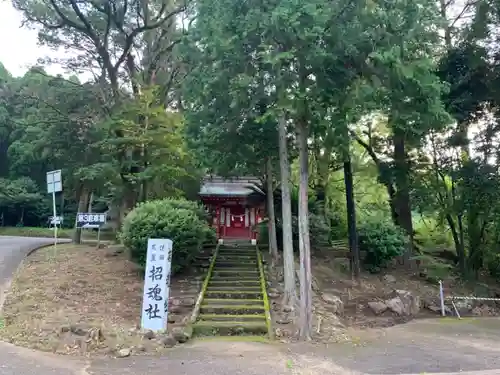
pixel 59 242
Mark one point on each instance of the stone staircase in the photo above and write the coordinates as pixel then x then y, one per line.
pixel 233 302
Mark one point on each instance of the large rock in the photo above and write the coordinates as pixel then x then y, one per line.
pixel 168 341
pixel 404 303
pixel 410 302
pixel 395 305
pixel 182 334
pixel 148 334
pixel 389 279
pixel 378 307
pixel 123 353
pixel 334 301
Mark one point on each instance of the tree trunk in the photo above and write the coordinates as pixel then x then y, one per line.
pixel 290 296
pixel 273 241
pixel 351 218
pixel 304 240
pixel 402 196
pixel 83 205
pixel 459 245
pixel 384 178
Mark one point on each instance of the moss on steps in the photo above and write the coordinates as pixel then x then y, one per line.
pixel 233 302
pixel 232 309
pixel 241 294
pixel 233 282
pixel 235 264
pixel 217 287
pixel 226 272
pixel 229 328
pixel 236 317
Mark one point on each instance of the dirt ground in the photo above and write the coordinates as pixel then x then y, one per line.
pixel 341 305
pixel 85 300
pixel 82 300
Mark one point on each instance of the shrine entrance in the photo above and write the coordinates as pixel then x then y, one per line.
pixel 237 221
pixel 236 209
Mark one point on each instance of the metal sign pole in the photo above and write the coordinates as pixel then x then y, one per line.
pixel 98 237
pixel 54 185
pixel 54 215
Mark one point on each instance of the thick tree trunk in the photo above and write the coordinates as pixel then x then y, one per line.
pixel 273 241
pixel 290 295
pixel 402 197
pixel 83 204
pixel 351 218
pixel 304 240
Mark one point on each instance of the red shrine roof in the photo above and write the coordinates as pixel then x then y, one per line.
pixel 235 187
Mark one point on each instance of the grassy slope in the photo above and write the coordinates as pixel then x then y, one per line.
pixel 47 232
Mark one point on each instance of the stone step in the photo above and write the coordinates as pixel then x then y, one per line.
pixel 231 301
pixel 233 318
pixel 217 287
pixel 242 259
pixel 232 309
pixel 238 251
pixel 234 279
pixel 236 264
pixel 214 328
pixel 224 272
pixel 233 294
pixel 237 268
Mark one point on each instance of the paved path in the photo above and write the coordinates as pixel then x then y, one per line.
pixel 423 347
pixel 12 252
pixel 448 346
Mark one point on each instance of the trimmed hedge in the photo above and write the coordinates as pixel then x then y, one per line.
pixel 179 220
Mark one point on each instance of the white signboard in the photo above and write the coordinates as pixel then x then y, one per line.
pixel 90 220
pixel 56 220
pixel 156 284
pixel 54 181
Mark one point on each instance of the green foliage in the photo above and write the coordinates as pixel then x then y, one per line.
pixel 433 268
pixel 187 205
pixel 21 203
pixel 177 220
pixel 430 235
pixel 319 230
pixel 492 263
pixel 382 241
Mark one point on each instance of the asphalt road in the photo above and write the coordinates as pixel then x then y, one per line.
pixel 445 347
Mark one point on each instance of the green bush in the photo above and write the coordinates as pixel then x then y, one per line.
pixel 177 220
pixel 187 205
pixel 382 241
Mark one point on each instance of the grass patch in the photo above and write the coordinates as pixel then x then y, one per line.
pixel 34 232
pixel 58 298
pixel 49 233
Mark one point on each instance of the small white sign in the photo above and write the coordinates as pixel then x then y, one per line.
pixel 156 284
pixel 56 220
pixel 54 181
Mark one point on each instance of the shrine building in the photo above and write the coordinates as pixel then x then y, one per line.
pixel 236 205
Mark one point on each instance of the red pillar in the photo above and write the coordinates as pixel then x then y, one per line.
pixel 217 221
